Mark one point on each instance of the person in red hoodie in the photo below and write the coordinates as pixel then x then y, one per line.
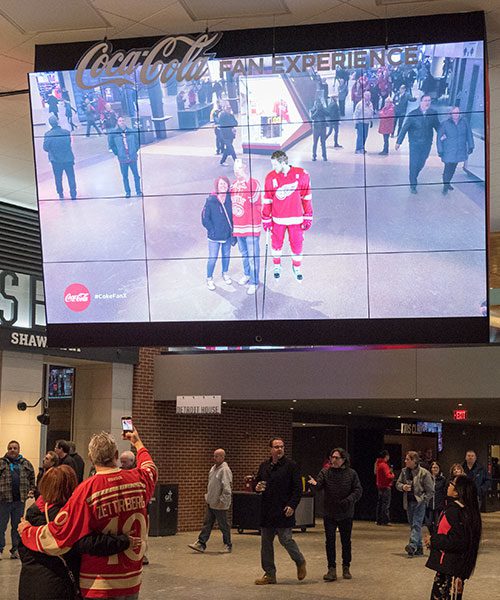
pixel 385 478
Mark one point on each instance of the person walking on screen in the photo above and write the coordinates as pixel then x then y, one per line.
pixel 386 124
pixel 287 206
pixel 363 115
pixel 227 128
pixel 218 501
pixel 334 121
pixel 217 219
pixel 57 144
pixel 319 117
pixel 454 546
pixel 124 142
pixel 400 99
pixel 419 125
pixel 278 480
pixel 384 478
pixel 68 112
pixel 454 144
pixel 246 201
pixel 342 491
pixel 418 487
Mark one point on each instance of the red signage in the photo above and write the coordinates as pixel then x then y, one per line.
pixel 460 414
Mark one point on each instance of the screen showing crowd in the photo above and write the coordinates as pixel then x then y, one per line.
pixel 283 187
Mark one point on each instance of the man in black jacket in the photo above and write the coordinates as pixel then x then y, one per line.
pixel 78 460
pixel 320 117
pixel 62 449
pixel 278 479
pixel 334 121
pixel 419 124
pixel 342 490
pixel 478 474
pixel 57 143
pixel 124 142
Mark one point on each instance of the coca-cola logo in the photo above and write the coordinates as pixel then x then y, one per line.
pixel 76 297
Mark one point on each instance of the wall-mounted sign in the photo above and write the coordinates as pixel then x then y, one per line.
pixel 412 428
pixel 159 63
pixel 22 323
pixel 198 405
pixel 460 414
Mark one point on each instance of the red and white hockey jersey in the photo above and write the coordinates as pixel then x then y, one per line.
pixel 111 501
pixel 246 198
pixel 287 198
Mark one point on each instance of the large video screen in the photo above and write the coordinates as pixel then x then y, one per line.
pixel 331 185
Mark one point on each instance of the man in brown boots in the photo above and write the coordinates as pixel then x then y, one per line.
pixel 278 480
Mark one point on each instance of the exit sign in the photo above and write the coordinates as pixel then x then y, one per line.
pixel 460 415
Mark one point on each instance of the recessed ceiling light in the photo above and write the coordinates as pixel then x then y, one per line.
pixel 460 404
pixel 349 412
pixel 224 402
pixel 442 420
pixel 303 424
pixel 417 399
pixel 291 407
pixel 399 416
pixel 414 412
pixel 294 400
pixel 360 406
pixel 479 423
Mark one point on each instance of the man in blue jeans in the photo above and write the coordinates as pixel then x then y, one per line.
pixel 218 499
pixel 17 483
pixel 418 487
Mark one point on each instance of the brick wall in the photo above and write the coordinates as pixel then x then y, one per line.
pixel 183 445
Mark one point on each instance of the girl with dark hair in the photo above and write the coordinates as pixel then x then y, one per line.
pixel 455 544
pixel 217 218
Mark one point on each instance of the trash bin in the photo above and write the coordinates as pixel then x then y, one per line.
pixel 163 510
pixel 146 130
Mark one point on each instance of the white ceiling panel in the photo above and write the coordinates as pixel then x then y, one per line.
pixel 201 10
pixel 57 15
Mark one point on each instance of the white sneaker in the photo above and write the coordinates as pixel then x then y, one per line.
pixel 251 290
pixel 210 284
pixel 244 280
pixel 227 279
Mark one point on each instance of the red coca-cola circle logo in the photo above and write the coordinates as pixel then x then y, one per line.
pixel 76 297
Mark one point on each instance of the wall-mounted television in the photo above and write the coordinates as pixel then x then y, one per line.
pixel 309 185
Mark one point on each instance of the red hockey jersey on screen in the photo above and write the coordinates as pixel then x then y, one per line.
pixel 246 198
pixel 287 198
pixel 111 501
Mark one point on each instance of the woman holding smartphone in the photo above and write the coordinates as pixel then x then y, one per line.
pixel 454 546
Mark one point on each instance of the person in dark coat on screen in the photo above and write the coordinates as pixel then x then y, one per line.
pixel 454 144
pixel 57 144
pixel 124 143
pixel 278 480
pixel 419 125
pixel 342 491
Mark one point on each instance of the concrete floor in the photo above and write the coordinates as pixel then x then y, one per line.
pixel 380 568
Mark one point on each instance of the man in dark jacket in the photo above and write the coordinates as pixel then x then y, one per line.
pixel 78 460
pixel 278 480
pixel 57 143
pixel 334 121
pixel 62 449
pixel 124 143
pixel 320 116
pixel 342 491
pixel 17 483
pixel 400 100
pixel 227 127
pixel 478 474
pixel 419 124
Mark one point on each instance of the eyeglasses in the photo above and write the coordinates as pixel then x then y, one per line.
pixel 336 457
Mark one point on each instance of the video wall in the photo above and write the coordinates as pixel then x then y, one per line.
pixel 268 190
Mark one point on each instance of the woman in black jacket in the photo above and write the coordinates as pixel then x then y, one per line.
pixel 217 218
pixel 454 546
pixel 436 504
pixel 45 577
